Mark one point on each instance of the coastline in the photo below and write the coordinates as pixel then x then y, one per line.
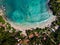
pixel 43 24
pixel 48 30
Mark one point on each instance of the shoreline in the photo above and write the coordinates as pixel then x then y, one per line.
pixel 42 24
pixel 45 23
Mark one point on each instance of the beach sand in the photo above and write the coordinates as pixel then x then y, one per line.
pixel 22 28
pixel 44 24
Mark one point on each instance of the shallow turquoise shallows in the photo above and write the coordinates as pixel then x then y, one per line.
pixel 31 11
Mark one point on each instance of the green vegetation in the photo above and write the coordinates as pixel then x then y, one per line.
pixel 6 37
pixel 46 36
pixel 55 7
pixel 9 36
pixel 1 19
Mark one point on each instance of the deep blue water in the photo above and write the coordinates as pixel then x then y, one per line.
pixel 21 11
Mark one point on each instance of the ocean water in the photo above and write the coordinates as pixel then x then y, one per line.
pixel 22 11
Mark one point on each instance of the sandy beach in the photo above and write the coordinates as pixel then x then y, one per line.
pixel 22 28
pixel 43 24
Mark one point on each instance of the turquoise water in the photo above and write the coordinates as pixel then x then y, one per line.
pixel 31 11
